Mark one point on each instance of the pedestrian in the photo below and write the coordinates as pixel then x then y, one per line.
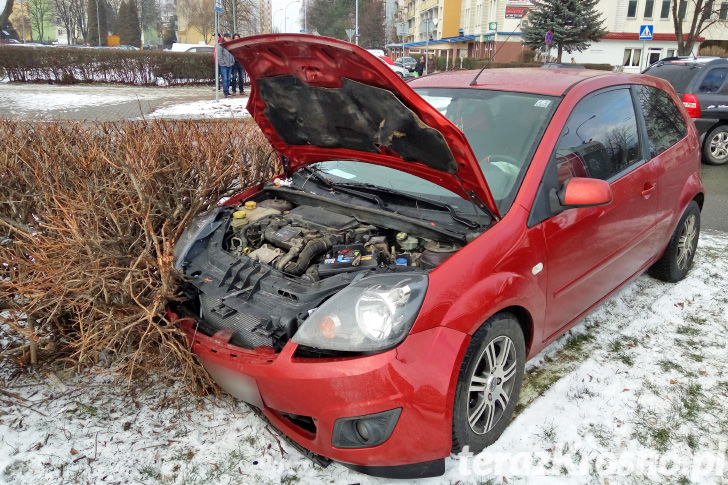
pixel 237 79
pixel 420 67
pixel 225 61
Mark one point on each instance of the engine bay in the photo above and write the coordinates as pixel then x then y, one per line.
pixel 265 264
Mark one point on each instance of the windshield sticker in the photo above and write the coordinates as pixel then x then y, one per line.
pixel 543 103
pixel 340 173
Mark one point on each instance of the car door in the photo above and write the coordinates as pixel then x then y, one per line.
pixel 712 92
pixel 592 250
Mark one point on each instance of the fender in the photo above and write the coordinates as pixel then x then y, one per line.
pixel 509 275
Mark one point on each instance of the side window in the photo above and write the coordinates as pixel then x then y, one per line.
pixel 713 80
pixel 665 125
pixel 600 138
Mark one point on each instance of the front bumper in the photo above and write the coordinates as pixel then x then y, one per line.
pixel 304 397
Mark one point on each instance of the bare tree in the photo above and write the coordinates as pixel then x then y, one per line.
pixel 66 11
pixel 41 11
pixel 245 17
pixel 200 16
pixel 704 14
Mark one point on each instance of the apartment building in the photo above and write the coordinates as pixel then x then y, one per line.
pixel 492 28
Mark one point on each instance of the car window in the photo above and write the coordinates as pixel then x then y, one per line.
pixel 713 80
pixel 600 138
pixel 665 125
pixel 502 127
pixel 679 75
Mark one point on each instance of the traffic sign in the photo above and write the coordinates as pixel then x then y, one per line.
pixel 549 37
pixel 218 6
pixel 646 32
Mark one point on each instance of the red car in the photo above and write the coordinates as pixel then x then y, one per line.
pixel 378 302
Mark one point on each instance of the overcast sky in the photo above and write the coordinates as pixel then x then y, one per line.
pixel 284 9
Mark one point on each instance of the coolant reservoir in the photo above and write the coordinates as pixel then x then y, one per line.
pixel 240 219
pixel 253 212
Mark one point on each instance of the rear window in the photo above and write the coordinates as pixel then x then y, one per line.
pixel 679 75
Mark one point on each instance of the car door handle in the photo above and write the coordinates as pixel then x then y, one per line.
pixel 648 189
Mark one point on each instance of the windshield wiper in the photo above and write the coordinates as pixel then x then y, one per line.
pixel 347 187
pixel 315 173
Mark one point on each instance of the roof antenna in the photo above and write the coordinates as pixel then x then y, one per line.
pixel 475 79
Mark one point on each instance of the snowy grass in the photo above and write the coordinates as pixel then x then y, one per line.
pixel 635 393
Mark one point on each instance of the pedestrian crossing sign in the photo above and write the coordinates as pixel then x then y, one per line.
pixel 646 32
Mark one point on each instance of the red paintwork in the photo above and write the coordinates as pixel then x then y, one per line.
pixel 549 275
pixel 586 191
pixel 415 376
pixel 323 62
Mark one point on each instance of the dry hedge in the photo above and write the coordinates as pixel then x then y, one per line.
pixel 88 220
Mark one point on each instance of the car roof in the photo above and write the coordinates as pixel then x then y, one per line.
pixel 553 82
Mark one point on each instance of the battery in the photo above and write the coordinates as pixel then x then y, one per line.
pixel 345 258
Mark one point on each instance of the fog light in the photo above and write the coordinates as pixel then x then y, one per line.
pixel 365 431
pixel 361 428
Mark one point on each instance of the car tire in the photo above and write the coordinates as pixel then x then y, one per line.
pixel 489 383
pixel 715 147
pixel 678 257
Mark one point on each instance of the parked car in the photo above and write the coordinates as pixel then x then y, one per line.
pixel 401 71
pixel 701 82
pixel 126 47
pixel 192 48
pixel 408 63
pixel 378 300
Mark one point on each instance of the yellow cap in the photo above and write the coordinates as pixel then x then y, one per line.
pixel 239 215
pixel 250 205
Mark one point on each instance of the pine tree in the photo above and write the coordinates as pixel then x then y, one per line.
pixel 129 30
pixel 574 25
pixel 94 22
pixel 135 30
pixel 122 21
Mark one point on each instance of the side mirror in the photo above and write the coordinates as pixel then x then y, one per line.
pixel 584 192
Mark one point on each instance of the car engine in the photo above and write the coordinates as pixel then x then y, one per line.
pixel 269 262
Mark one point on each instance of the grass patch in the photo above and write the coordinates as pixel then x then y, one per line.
pixel 688 330
pixel 669 365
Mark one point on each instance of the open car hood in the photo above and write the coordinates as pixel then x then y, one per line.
pixel 318 98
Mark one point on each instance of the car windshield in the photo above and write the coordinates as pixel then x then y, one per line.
pixel 361 173
pixel 503 129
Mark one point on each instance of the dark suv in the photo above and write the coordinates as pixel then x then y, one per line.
pixel 701 82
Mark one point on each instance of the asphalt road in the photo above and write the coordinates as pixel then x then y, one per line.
pixel 715 209
pixel 35 101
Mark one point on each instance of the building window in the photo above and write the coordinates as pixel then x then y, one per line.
pixel 665 11
pixel 670 53
pixel 632 8
pixel 632 57
pixel 723 15
pixel 681 9
pixel 649 5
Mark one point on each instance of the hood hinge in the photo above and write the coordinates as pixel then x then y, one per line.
pixel 286 166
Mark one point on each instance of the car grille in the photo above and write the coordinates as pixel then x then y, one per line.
pixel 245 327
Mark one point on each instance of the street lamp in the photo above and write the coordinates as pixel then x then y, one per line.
pixel 285 13
pixel 98 22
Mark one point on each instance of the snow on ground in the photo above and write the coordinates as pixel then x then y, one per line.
pixel 232 107
pixel 641 398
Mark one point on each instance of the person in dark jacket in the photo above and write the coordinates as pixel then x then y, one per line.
pixel 237 79
pixel 225 60
pixel 420 67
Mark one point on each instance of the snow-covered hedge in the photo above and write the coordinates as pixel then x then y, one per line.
pixel 70 65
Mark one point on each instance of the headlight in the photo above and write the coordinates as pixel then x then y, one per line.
pixel 372 314
pixel 200 227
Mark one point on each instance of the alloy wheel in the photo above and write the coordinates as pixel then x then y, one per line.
pixel 686 242
pixel 719 145
pixel 491 385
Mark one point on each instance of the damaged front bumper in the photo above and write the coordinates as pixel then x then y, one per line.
pixel 364 411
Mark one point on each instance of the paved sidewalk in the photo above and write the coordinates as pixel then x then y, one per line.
pixel 102 102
